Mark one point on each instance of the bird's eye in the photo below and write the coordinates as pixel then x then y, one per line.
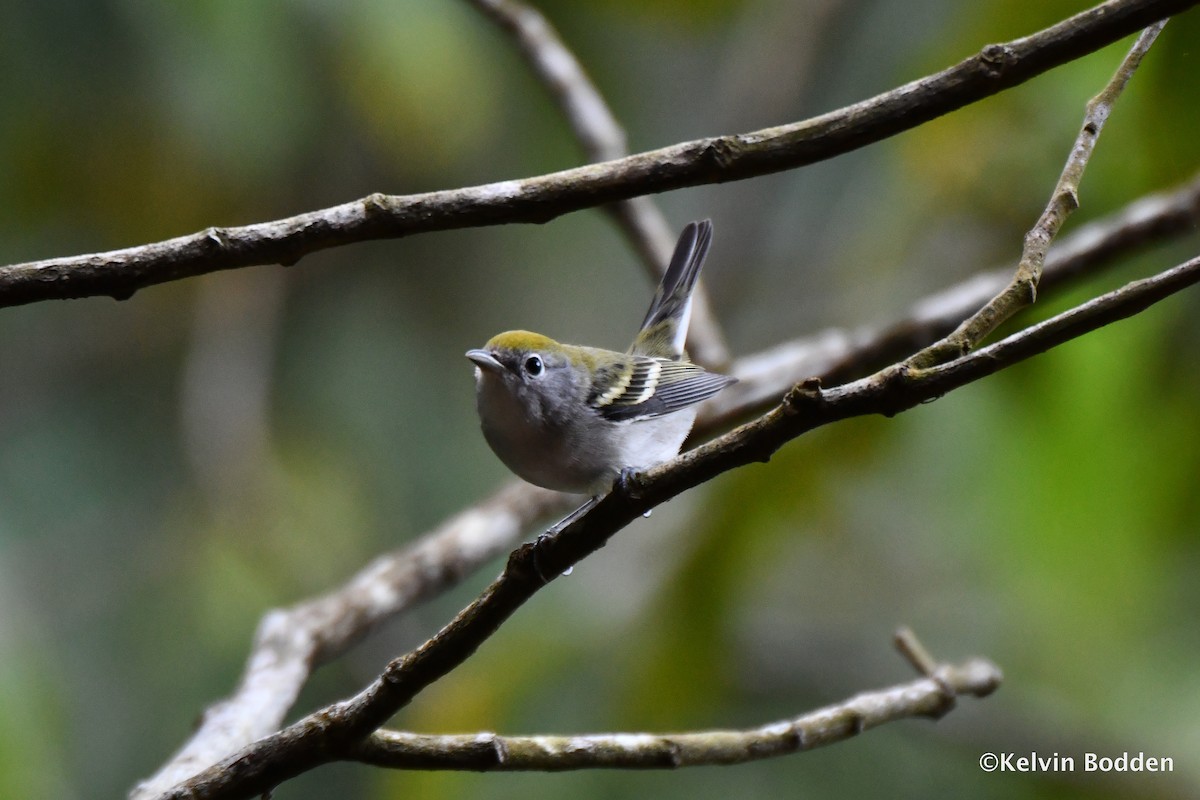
pixel 534 365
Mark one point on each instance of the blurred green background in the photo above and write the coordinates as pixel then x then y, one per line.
pixel 174 465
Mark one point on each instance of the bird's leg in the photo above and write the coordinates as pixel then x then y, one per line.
pixel 557 528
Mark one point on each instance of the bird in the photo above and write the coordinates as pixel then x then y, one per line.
pixel 574 418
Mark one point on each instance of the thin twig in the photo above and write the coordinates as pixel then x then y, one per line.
pixel 838 355
pixel 1022 290
pixel 914 652
pixel 324 735
pixel 926 697
pixel 120 273
pixel 603 139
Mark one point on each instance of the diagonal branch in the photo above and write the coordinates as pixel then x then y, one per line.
pixel 933 695
pixel 603 139
pixel 1022 290
pixel 328 734
pixel 292 642
pixel 120 273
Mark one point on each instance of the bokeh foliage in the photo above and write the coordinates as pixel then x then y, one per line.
pixel 172 466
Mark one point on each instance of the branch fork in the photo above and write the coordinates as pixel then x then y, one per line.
pixel 1021 291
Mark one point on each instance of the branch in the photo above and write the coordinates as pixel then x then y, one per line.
pixel 330 733
pixel 931 696
pixel 120 273
pixel 603 139
pixel 1022 290
pixel 293 642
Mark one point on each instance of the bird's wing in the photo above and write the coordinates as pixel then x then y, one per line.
pixel 656 386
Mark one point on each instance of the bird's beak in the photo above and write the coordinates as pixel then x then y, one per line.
pixel 484 359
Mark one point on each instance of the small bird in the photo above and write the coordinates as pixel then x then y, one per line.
pixel 572 418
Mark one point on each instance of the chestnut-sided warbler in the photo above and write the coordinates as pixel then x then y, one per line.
pixel 572 418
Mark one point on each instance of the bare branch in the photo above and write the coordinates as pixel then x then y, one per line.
pixel 1022 290
pixel 293 642
pixel 120 273
pixel 331 732
pixel 603 139
pixel 931 696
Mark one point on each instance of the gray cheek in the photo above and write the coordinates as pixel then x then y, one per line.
pixel 561 401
